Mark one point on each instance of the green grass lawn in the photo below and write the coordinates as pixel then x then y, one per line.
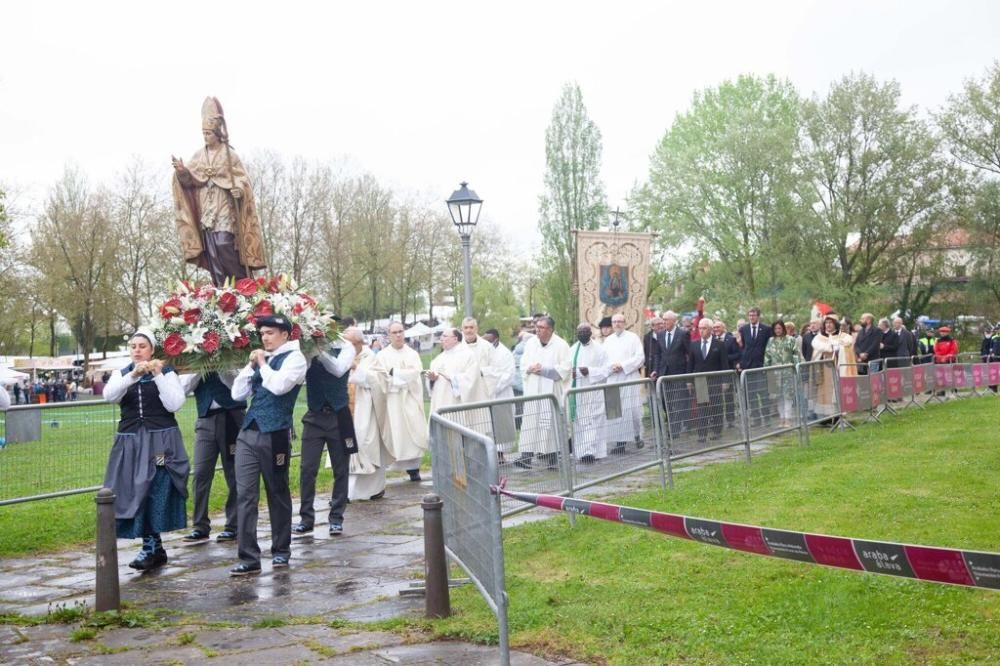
pixel 604 592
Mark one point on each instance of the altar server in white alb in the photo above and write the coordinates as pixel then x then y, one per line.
pixel 454 373
pixel 625 356
pixel 501 375
pixel 586 409
pixel 366 480
pixel 404 426
pixel 482 350
pixel 545 368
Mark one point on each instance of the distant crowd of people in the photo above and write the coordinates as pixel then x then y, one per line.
pixel 53 389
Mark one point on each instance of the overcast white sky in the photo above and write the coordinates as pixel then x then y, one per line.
pixel 425 94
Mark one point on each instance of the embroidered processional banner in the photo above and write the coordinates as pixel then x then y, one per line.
pixel 612 272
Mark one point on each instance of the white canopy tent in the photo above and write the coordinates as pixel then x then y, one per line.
pixel 423 334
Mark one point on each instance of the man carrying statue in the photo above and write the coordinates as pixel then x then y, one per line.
pixel 214 208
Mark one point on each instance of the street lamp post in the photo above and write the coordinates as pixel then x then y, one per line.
pixel 464 206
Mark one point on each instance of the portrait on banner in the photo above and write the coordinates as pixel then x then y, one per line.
pixel 614 285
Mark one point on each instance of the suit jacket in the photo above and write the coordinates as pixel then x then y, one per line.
pixel 716 360
pixel 673 360
pixel 890 344
pixel 733 351
pixel 907 343
pixel 867 342
pixel 807 345
pixel 651 350
pixel 753 348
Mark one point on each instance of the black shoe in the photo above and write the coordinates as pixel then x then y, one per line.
pixel 639 444
pixel 336 529
pixel 524 462
pixel 197 535
pixel 715 437
pixel 414 475
pixel 377 496
pixel 279 561
pixel 244 570
pixel 587 459
pixel 302 528
pixel 226 535
pixel 618 450
pixel 145 560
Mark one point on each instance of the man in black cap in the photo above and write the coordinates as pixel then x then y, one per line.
pixel 273 377
pixel 328 425
pixel 606 328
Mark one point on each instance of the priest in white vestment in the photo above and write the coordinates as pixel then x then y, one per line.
pixel 626 356
pixel 502 374
pixel 404 427
pixel 454 376
pixel 586 410
pixel 366 478
pixel 484 387
pixel 545 368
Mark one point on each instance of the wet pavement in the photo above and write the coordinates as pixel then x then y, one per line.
pixel 210 617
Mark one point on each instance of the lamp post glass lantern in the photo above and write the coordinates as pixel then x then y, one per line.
pixel 464 205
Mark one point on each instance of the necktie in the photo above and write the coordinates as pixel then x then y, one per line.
pixel 753 333
pixel 704 348
pixel 669 335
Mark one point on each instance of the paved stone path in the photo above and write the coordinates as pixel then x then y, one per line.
pixel 209 616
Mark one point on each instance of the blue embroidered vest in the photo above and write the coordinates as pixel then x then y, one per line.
pixel 270 412
pixel 211 389
pixel 323 389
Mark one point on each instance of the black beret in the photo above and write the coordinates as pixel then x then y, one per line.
pixel 275 321
pixel 605 323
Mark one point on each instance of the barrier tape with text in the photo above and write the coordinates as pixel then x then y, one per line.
pixel 926 563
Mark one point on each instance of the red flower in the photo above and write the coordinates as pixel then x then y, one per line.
pixel 192 316
pixel 228 302
pixel 297 309
pixel 246 286
pixel 318 333
pixel 272 285
pixel 170 307
pixel 174 344
pixel 261 281
pixel 263 309
pixel 296 332
pixel 210 342
pixel 242 341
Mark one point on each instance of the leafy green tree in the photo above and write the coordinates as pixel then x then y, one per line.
pixel 722 181
pixel 971 122
pixel 574 199
pixel 876 174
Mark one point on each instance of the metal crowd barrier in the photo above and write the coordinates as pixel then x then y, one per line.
pixel 703 412
pixel 533 449
pixel 615 431
pixel 465 467
pixel 773 403
pixel 819 394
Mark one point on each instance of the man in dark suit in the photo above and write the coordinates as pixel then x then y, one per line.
pixel 707 354
pixel 753 341
pixel 672 359
pixel 907 345
pixel 868 343
pixel 728 341
pixel 652 342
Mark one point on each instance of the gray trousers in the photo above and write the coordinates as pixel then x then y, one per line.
pixel 209 445
pixel 255 459
pixel 320 432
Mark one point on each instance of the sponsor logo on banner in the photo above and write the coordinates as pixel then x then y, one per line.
pixel 958 375
pixel 939 564
pixel 919 384
pixel 833 551
pixel 745 537
pixel 635 517
pixel 942 376
pixel 668 524
pixel 994 374
pixel 894 383
pixel 581 507
pixel 790 545
pixel 979 374
pixel 879 557
pixel 876 397
pixel 849 394
pixel 707 531
pixel 984 567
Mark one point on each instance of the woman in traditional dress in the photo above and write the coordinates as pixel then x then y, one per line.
pixel 148 467
pixel 783 349
pixel 833 344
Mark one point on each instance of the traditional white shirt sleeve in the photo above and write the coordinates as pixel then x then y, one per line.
pixel 4 399
pixel 189 382
pixel 340 364
pixel 118 385
pixel 171 391
pixel 241 385
pixel 291 373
